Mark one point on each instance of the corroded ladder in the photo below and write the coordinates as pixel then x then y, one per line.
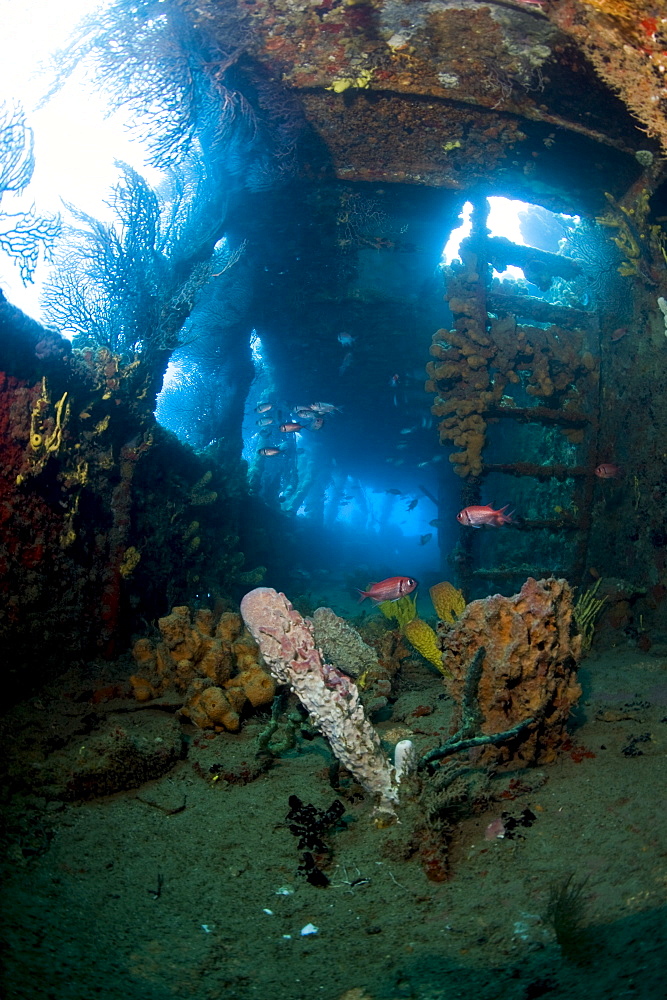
pixel 520 359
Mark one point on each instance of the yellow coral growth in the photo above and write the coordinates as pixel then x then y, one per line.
pixel 449 603
pixel 585 612
pixel 199 495
pixel 402 611
pixel 472 367
pixel 425 641
pixel 620 9
pixel 130 562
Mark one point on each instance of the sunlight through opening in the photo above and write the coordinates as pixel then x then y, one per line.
pixel 505 219
pixel 77 140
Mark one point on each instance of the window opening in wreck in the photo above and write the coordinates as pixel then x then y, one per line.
pixel 520 222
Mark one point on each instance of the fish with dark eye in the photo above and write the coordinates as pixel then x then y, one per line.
pixel 608 470
pixel 269 452
pixel 290 428
pixel 424 539
pixel 264 422
pixel 478 516
pixel 263 407
pixel 391 589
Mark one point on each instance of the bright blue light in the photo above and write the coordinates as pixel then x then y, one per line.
pixel 256 349
pixel 451 248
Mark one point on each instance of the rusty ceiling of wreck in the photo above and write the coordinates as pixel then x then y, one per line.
pixel 450 94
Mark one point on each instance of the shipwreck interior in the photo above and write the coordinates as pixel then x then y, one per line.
pixel 388 262
pixel 315 172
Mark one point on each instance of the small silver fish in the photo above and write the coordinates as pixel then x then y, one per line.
pixel 323 408
pixel 347 361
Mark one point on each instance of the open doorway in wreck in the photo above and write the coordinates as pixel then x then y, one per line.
pixel 517 331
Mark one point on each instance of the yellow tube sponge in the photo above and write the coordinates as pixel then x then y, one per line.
pixel 401 611
pixel 425 641
pixel 448 602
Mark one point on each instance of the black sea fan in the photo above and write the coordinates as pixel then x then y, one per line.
pixel 23 235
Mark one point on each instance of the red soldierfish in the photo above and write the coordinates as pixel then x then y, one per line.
pixel 475 517
pixel 607 470
pixel 288 428
pixel 269 451
pixel 391 589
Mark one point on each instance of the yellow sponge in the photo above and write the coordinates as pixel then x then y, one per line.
pixel 447 601
pixel 425 641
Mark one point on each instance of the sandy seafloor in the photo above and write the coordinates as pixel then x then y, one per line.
pixel 81 916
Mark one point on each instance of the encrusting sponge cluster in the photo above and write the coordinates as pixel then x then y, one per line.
pixel 213 664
